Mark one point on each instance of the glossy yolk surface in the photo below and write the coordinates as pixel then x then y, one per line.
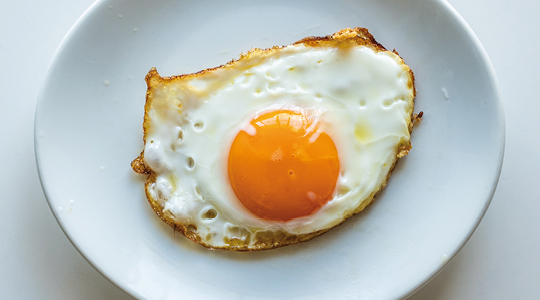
pixel 284 169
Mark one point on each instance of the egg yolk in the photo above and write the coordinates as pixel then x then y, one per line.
pixel 282 168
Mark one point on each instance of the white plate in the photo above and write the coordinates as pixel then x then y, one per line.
pixel 89 127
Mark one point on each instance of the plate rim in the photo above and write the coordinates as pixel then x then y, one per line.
pixel 501 134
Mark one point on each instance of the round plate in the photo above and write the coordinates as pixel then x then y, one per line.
pixel 89 127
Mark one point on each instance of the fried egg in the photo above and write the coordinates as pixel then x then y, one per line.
pixel 279 146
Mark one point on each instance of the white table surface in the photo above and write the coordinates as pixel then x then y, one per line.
pixel 500 261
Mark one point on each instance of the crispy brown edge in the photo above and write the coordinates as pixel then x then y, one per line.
pixel 355 36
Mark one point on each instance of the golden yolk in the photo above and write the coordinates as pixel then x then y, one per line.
pixel 278 173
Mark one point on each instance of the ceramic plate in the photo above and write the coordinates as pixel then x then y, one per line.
pixel 89 127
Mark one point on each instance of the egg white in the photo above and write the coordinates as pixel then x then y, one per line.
pixel 363 100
